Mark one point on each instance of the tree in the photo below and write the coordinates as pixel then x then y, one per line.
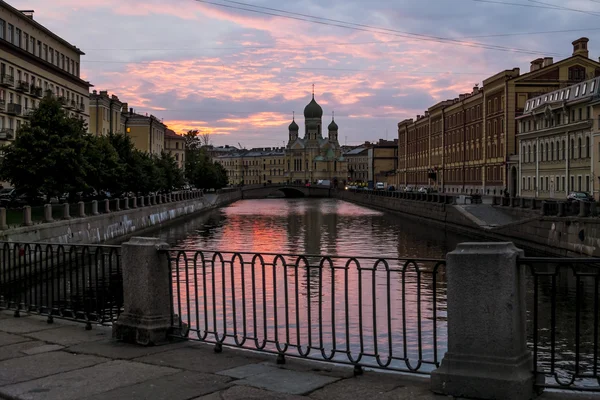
pixel 192 141
pixel 203 173
pixel 106 171
pixel 172 175
pixel 48 153
pixel 205 139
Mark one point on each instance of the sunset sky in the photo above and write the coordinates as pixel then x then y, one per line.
pixel 240 74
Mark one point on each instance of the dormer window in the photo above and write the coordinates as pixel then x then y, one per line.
pixel 562 95
pixel 592 87
pixel 577 91
pixel 539 101
pixel 527 106
pixel 568 94
pixel 584 89
pixel 545 99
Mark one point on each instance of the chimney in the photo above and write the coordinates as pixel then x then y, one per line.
pixel 28 13
pixel 580 47
pixel 536 64
pixel 131 111
pixel 461 97
pixel 547 62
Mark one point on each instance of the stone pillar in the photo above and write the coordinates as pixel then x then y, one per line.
pixel 149 201
pixel 522 202
pixel 81 209
pixel 66 211
pixel 126 203
pixel 582 209
pixel 561 209
pixel 47 213
pixel 117 204
pixel 593 209
pixel 134 202
pixel 159 199
pixel 487 354
pixel 27 216
pixel 153 199
pixel 3 224
pixel 94 207
pixel 141 201
pixel 146 319
pixel 106 206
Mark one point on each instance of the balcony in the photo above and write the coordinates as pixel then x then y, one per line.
pixel 62 100
pixel 48 93
pixel 81 107
pixel 36 91
pixel 7 134
pixel 2 105
pixel 23 86
pixel 28 112
pixel 13 109
pixel 73 105
pixel 7 80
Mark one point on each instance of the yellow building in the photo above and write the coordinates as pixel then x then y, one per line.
pixel 105 113
pixel 146 131
pixel 34 61
pixel 175 145
pixel 556 135
pixel 314 157
pixel 255 166
pixel 383 162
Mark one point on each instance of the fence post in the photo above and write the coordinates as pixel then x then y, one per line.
pixel 66 211
pixel 134 202
pixel 487 355
pixel 159 199
pixel 3 224
pixel 81 213
pixel 117 204
pixel 126 203
pixel 27 216
pixel 146 319
pixel 95 207
pixel 141 201
pixel 106 206
pixel 48 213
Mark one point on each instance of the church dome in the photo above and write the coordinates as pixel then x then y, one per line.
pixel 332 126
pixel 313 109
pixel 294 126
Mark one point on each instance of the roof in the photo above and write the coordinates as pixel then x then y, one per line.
pixel 580 92
pixel 355 151
pixel 40 27
pixel 170 134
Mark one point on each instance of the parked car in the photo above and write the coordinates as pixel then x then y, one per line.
pixel 392 188
pixel 409 189
pixel 579 196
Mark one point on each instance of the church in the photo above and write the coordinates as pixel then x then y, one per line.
pixel 313 157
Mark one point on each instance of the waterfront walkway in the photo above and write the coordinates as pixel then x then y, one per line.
pixel 63 361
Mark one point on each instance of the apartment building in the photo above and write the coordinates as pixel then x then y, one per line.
pixel 358 164
pixel 105 113
pixel 468 144
pixel 33 62
pixel 383 161
pixel 255 166
pixel 146 131
pixel 556 138
pixel 175 145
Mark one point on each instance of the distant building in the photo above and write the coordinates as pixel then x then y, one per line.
pixel 146 131
pixel 217 151
pixel 34 61
pixel 557 135
pixel 175 145
pixel 358 164
pixel 383 161
pixel 255 166
pixel 105 113
pixel 313 157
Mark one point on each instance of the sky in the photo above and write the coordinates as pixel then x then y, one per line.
pixel 240 72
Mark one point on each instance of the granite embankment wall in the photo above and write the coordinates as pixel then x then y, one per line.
pixel 118 224
pixel 559 236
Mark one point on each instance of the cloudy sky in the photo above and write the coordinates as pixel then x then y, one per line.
pixel 240 71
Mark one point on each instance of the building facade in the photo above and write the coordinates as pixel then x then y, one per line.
pixel 358 165
pixel 254 167
pixel 468 144
pixel 105 114
pixel 314 157
pixel 556 139
pixel 146 131
pixel 33 62
pixel 175 145
pixel 383 162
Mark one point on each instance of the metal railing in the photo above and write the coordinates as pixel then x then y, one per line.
pixel 367 312
pixel 563 318
pixel 76 282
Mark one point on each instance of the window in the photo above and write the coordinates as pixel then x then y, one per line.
pixel 572 148
pixel 577 91
pixel 562 95
pixel 62 61
pixel 9 34
pixel 547 186
pixel 46 52
pixel 17 37
pixel 568 94
pixel 534 153
pixel 579 147
pixel 527 106
pixel 552 151
pixel 584 89
pixel 587 147
pixel 592 87
pixel 542 152
pixel 580 114
pixel 579 187
pixel 534 183
pixel 572 183
pixel 539 100
pixel 528 183
pixel 545 99
pixel 587 183
pixel 39 48
pixel 26 41
pixel 32 42
pixel 2 27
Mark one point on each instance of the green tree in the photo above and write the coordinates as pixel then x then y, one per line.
pixel 48 153
pixel 105 168
pixel 172 174
pixel 192 140
pixel 202 172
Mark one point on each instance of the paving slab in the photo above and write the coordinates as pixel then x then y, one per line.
pixel 16 350
pixel 25 325
pixel 202 358
pixel 7 338
pixel 42 349
pixel 39 365
pixel 370 385
pixel 122 351
pixel 180 386
pixel 71 335
pixel 286 381
pixel 249 393
pixel 245 371
pixel 328 369
pixel 86 382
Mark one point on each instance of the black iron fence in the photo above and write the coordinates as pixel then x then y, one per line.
pixel 371 312
pixel 563 317
pixel 77 282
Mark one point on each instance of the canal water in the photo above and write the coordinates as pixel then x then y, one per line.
pixel 389 314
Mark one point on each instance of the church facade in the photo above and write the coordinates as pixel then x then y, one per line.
pixel 314 157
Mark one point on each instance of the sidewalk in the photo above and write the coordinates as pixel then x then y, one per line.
pixel 63 361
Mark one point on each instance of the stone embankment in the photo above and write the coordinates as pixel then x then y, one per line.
pixel 119 218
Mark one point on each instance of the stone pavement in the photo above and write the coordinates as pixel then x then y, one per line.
pixel 63 361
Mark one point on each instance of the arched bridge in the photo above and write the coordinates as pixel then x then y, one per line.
pixel 261 192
